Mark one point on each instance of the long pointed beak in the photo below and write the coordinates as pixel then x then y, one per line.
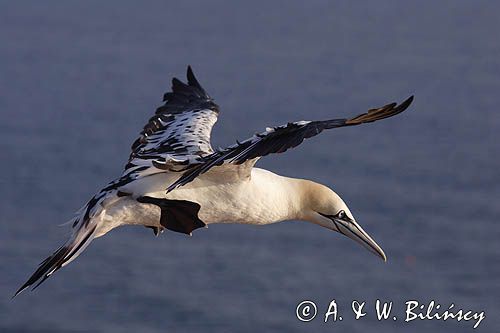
pixel 354 231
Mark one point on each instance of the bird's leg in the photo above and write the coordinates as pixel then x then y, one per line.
pixel 156 230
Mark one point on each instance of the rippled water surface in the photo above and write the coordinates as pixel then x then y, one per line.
pixel 78 82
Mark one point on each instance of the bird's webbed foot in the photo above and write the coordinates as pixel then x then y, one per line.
pixel 156 230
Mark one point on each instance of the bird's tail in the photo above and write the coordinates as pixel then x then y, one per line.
pixel 81 238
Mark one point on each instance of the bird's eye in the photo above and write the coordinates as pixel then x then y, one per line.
pixel 341 214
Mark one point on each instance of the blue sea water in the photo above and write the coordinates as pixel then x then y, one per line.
pixel 79 79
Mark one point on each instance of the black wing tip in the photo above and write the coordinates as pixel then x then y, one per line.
pixel 45 269
pixel 380 113
pixel 192 81
pixel 190 75
pixel 185 96
pixel 184 92
pixel 177 83
pixel 399 107
pixel 20 290
pixel 29 283
pixel 407 102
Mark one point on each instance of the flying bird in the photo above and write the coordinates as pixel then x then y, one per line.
pixel 175 180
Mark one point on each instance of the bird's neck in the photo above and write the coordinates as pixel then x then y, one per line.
pixel 282 198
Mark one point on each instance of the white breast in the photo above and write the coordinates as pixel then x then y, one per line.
pixel 264 198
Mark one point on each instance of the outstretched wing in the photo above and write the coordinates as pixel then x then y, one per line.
pixel 280 139
pixel 179 132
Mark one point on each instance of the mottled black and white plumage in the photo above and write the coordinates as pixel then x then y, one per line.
pixel 175 180
pixel 280 139
pixel 179 132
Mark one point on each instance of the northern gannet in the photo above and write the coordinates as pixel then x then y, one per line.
pixel 175 180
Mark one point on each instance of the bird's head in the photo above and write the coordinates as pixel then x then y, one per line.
pixel 327 209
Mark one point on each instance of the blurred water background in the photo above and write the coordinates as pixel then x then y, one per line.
pixel 79 79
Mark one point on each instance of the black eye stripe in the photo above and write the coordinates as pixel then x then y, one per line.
pixel 340 215
pixel 326 215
